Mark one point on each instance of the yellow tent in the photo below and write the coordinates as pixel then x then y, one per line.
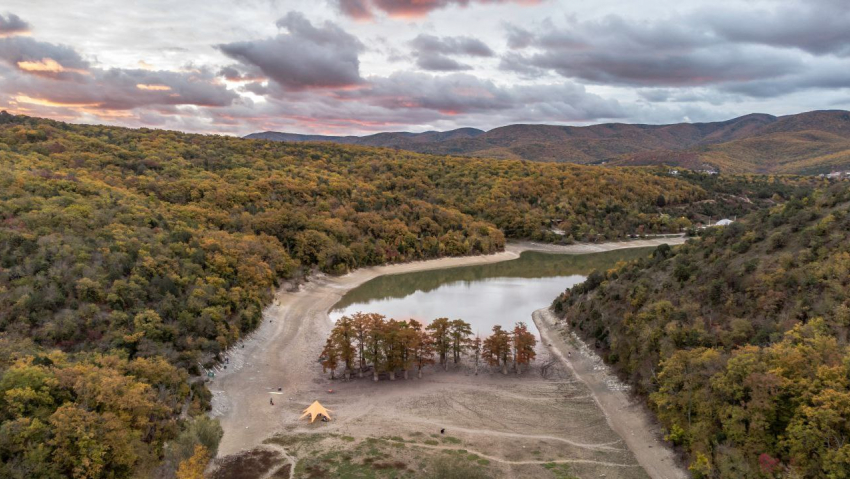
pixel 315 410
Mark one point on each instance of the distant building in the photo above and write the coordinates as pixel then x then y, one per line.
pixel 674 172
pixel 724 222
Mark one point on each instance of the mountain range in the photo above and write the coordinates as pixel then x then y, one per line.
pixel 805 143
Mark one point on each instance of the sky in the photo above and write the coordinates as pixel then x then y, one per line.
pixel 344 67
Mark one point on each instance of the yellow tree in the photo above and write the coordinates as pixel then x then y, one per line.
pixel 193 468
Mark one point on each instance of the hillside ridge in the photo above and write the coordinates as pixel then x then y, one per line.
pixel 795 143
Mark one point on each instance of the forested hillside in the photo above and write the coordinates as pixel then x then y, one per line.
pixel 806 143
pixel 142 254
pixel 739 339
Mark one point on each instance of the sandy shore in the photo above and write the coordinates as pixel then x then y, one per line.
pixel 282 354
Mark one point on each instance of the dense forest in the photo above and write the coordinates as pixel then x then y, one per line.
pixel 739 339
pixel 130 259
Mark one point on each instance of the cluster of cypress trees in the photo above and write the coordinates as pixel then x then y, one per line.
pixel 366 341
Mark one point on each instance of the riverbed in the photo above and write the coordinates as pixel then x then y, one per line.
pixel 516 424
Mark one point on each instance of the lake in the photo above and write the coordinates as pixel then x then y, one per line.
pixel 482 295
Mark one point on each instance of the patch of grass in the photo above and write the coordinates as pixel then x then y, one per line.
pixel 396 438
pixel 289 440
pixel 454 467
pixel 484 462
pixel 248 464
pixel 431 442
pixel 347 438
pixel 389 465
pixel 451 440
pixel 560 471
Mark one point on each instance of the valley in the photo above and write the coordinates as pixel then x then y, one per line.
pixel 425 239
pixel 509 421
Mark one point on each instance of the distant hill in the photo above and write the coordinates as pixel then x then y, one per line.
pixel 403 140
pixel 809 143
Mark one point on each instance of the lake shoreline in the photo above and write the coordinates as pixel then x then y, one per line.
pixel 625 414
pixel 281 352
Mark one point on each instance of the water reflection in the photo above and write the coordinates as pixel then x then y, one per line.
pixel 483 295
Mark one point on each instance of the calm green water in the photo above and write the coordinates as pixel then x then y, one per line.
pixel 485 295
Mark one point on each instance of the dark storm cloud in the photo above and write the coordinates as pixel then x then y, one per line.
pixel 365 9
pixel 12 24
pixel 433 53
pixel 304 57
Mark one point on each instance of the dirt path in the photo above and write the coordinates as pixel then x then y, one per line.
pixel 282 353
pixel 628 418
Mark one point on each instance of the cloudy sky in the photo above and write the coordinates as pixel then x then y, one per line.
pixel 361 66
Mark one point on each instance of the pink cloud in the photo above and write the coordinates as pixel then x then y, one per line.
pixel 365 9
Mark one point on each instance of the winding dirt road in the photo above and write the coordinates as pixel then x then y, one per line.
pixel 278 363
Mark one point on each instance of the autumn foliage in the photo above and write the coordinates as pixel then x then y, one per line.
pixel 387 346
pixel 739 339
pixel 121 246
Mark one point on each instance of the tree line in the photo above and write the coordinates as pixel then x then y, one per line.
pixel 369 341
pixel 739 339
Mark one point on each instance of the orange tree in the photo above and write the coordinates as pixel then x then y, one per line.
pixel 523 342
pixel 497 348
